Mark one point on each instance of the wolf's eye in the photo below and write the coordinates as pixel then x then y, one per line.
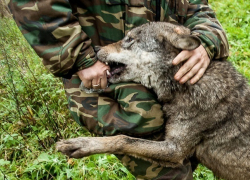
pixel 128 42
pixel 130 39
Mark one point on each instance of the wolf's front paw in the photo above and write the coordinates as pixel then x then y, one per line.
pixel 76 147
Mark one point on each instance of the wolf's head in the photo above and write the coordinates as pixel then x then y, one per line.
pixel 146 52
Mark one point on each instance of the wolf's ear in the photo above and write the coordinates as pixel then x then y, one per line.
pixel 180 40
pixel 186 42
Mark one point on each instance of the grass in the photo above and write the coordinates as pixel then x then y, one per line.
pixel 234 16
pixel 34 114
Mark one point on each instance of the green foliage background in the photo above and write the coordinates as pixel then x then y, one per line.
pixel 34 114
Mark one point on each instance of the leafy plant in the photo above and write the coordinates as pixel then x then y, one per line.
pixel 34 115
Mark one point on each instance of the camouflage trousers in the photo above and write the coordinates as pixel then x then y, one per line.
pixel 125 108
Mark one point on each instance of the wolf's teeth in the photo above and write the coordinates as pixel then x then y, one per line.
pixel 108 73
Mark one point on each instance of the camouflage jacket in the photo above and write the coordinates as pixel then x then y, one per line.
pixel 63 32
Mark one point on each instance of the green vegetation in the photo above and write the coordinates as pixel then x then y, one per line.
pixel 234 16
pixel 34 114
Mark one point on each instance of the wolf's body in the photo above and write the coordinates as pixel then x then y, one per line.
pixel 210 119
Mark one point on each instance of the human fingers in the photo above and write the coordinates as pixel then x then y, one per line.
pixel 101 82
pixel 186 71
pixel 96 83
pixel 194 67
pixel 104 81
pixel 182 56
pixel 87 83
pixel 92 75
pixel 205 61
pixel 197 77
pixel 192 73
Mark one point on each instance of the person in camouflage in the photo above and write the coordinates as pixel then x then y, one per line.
pixel 64 32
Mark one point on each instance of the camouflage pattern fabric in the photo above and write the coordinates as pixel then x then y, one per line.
pixel 125 108
pixel 63 33
pixel 135 111
pixel 145 170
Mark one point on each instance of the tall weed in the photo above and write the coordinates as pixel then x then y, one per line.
pixel 34 115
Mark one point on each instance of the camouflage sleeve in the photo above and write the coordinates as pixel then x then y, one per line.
pixel 55 34
pixel 202 21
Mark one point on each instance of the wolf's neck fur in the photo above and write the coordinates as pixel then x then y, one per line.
pixel 162 81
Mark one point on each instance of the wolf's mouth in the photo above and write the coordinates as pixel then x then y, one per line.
pixel 115 69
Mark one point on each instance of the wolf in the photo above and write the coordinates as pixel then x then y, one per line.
pixel 209 120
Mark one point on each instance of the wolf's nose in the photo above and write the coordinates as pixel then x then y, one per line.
pixel 97 48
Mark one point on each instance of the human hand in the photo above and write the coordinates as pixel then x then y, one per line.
pixel 94 77
pixel 195 66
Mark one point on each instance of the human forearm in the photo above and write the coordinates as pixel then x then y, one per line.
pixel 55 34
pixel 202 21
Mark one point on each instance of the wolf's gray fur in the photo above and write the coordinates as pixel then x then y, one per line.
pixel 210 119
